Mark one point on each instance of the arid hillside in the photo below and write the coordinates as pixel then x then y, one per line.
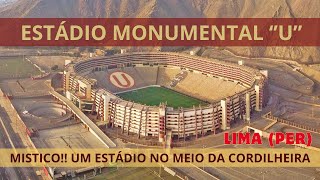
pixel 181 8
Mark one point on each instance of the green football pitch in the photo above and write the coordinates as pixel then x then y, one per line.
pixel 153 96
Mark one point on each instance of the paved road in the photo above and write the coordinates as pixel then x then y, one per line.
pixel 7 173
pixel 12 173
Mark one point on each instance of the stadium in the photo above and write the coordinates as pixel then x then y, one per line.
pixel 165 95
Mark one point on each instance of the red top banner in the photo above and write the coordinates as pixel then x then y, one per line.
pixel 160 32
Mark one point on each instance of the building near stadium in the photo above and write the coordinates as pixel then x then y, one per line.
pixel 216 93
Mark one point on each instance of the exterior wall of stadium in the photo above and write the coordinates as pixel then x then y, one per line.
pixel 159 121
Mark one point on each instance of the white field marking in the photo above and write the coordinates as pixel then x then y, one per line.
pixel 296 172
pixel 242 173
pixel 205 172
pixel 220 170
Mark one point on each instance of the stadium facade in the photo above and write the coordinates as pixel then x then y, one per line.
pixel 161 121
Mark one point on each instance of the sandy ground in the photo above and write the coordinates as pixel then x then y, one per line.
pixel 25 87
pixel 73 136
pixel 46 62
